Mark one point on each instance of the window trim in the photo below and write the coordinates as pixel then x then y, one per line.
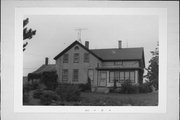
pixel 77 58
pixel 120 63
pixel 65 55
pixel 110 76
pixel 64 75
pixel 106 77
pixel 73 80
pixel 119 80
pixel 86 55
pixel 76 48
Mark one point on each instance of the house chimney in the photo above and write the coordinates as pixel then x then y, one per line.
pixel 119 44
pixel 46 61
pixel 87 44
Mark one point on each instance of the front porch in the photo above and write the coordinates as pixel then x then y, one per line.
pixel 106 78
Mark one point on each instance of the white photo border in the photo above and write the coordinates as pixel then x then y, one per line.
pixel 18 63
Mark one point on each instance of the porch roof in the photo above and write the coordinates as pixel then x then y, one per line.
pixel 118 68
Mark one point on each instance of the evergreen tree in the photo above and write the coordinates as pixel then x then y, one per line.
pixel 27 33
pixel 153 68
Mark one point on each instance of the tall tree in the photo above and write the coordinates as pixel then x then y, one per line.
pixel 153 68
pixel 27 33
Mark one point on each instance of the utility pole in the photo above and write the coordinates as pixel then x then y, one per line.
pixel 79 32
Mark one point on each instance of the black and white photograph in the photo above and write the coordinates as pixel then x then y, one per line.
pixel 90 60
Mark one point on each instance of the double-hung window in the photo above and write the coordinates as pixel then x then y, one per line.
pixel 65 75
pixel 111 77
pixel 75 75
pixel 121 79
pixel 86 57
pixel 65 58
pixel 76 57
pixel 116 76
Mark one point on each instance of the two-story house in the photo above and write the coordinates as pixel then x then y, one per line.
pixel 77 62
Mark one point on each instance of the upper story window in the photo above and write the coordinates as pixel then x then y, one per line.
pixel 65 58
pixel 65 75
pixel 118 63
pixel 76 57
pixel 76 48
pixel 86 57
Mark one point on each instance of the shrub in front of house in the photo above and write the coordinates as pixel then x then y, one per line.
pixel 26 88
pixel 29 87
pixel 68 92
pixel 85 87
pixel 145 87
pixel 34 86
pixel 48 97
pixel 115 90
pixel 37 93
pixel 49 79
pixel 128 88
pixel 25 98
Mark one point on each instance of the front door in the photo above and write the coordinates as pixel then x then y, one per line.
pixel 103 78
pixel 91 75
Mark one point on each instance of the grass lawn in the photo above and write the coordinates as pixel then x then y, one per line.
pixel 115 99
pixel 110 99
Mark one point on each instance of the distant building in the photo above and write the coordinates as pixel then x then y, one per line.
pixel 77 62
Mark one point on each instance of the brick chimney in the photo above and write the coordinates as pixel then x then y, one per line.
pixel 46 60
pixel 87 44
pixel 119 44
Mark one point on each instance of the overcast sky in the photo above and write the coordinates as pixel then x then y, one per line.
pixel 55 32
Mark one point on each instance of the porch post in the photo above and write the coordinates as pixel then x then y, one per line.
pixel 107 79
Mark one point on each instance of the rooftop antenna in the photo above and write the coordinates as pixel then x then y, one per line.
pixel 79 31
pixel 127 43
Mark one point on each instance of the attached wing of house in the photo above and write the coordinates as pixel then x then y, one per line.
pixel 36 75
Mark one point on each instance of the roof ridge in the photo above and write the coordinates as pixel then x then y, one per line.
pixel 49 64
pixel 116 48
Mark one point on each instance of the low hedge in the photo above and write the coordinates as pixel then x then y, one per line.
pixel 145 88
pixel 128 88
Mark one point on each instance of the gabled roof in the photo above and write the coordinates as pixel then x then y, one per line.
pixel 120 54
pixel 73 44
pixel 45 68
pixel 111 54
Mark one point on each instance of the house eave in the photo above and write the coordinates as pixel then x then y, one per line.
pixel 112 60
pixel 118 68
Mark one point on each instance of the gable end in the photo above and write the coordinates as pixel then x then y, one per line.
pixel 73 44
